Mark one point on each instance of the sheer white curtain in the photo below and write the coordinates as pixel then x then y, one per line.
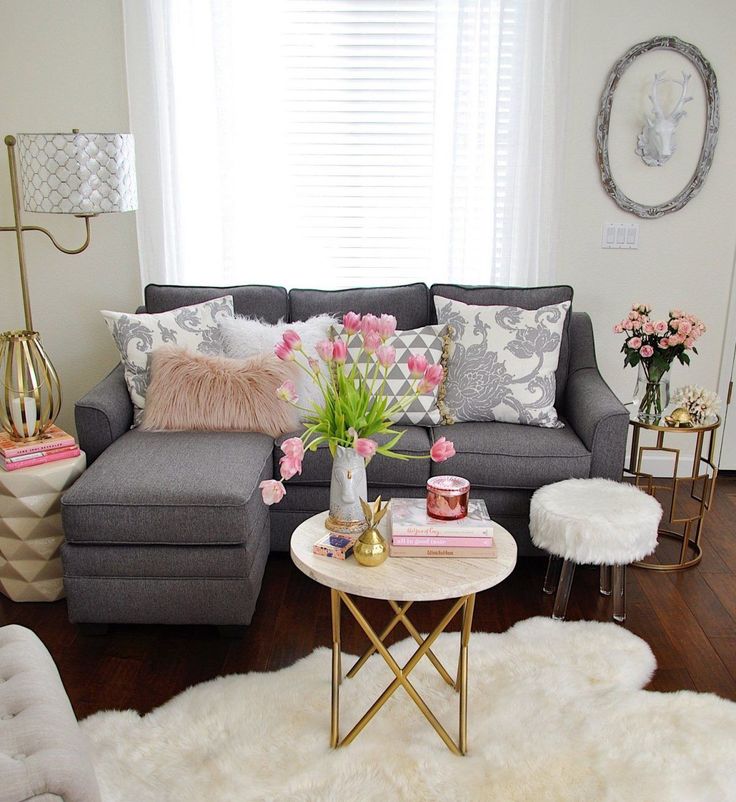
pixel 340 143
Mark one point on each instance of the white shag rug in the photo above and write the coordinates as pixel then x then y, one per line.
pixel 556 712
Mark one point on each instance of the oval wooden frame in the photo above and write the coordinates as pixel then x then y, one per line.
pixel 709 140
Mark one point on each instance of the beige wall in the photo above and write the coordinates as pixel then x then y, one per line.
pixel 685 259
pixel 63 67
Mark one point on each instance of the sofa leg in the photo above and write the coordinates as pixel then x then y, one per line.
pixel 93 629
pixel 232 630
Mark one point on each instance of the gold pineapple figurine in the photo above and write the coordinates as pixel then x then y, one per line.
pixel 371 548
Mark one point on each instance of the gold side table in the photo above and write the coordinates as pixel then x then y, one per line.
pixel 686 509
pixel 401 581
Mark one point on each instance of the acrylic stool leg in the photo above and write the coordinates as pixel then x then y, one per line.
pixel 563 590
pixel 605 584
pixel 552 575
pixel 619 592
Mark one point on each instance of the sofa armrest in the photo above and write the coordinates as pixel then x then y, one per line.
pixel 596 415
pixel 103 414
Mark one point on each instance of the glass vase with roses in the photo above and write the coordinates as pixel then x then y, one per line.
pixel 653 345
pixel 354 409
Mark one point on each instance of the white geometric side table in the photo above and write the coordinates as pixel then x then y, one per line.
pixel 30 529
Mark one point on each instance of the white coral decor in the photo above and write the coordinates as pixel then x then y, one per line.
pixel 699 402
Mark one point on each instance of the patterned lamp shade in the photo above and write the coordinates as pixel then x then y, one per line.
pixel 78 173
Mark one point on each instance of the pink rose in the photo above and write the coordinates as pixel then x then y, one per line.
pixel 634 343
pixel 386 326
pixel 442 449
pixel 685 326
pixel 648 328
pixel 675 324
pixel 417 365
pixel 689 342
pixel 618 328
pixel 660 327
pixel 351 322
pixel 432 377
pixel 324 349
pixel 293 447
pixel 676 339
pixel 646 351
pixel 340 351
pixel 272 491
pixel 636 325
pixel 371 341
pixel 664 343
pixel 289 466
pixel 287 392
pixel 386 355
pixel 292 339
pixel 369 323
pixel 283 351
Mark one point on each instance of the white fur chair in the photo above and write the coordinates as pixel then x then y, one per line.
pixel 593 521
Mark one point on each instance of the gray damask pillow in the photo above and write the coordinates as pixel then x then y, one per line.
pixel 502 362
pixel 136 336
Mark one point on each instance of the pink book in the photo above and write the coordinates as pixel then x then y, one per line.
pixel 52 439
pixel 456 542
pixel 41 459
pixel 442 551
pixel 409 518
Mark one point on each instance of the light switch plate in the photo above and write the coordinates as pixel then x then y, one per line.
pixel 620 235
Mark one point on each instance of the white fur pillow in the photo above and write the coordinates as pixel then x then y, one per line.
pixel 244 337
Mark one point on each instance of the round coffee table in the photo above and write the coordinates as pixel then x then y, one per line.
pixel 401 581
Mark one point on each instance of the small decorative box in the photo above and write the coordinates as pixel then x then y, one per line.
pixel 447 497
pixel 333 545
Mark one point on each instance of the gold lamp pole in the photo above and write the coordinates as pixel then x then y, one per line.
pixel 80 174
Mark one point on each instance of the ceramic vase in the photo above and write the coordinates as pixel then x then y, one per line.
pixel 348 484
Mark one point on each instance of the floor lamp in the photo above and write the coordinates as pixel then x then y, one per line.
pixel 80 174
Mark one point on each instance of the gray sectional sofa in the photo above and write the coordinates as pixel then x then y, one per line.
pixel 170 527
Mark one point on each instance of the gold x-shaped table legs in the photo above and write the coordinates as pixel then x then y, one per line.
pixel 464 603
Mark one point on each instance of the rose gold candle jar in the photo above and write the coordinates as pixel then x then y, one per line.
pixel 447 497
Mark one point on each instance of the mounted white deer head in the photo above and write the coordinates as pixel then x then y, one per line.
pixel 656 142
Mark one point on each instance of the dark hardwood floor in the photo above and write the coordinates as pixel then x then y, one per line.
pixel 688 618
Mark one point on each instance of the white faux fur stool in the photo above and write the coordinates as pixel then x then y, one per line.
pixel 594 521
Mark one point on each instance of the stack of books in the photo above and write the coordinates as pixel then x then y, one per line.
pixel 416 534
pixel 55 444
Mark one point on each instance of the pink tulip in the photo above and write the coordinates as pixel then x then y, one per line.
pixel 369 323
pixel 363 446
pixel 313 364
pixel 272 491
pixel 386 326
pixel 324 349
pixel 432 377
pixel 283 351
pixel 351 323
pixel 646 351
pixel 634 343
pixel 417 365
pixel 292 339
pixel 339 352
pixel 442 449
pixel 371 342
pixel 293 447
pixel 287 392
pixel 289 466
pixel 386 355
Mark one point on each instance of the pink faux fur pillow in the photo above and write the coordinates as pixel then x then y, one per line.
pixel 190 392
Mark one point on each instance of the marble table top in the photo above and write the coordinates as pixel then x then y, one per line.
pixel 403 578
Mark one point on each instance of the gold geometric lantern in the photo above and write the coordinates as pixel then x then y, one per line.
pixel 77 173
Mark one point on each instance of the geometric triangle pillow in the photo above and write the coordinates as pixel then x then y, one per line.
pixel 431 342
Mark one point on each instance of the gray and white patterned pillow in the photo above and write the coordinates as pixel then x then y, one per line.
pixel 136 336
pixel 433 343
pixel 502 362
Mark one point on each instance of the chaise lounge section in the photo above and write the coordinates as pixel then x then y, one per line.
pixel 170 527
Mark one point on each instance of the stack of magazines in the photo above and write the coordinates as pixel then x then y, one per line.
pixel 54 444
pixel 415 534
